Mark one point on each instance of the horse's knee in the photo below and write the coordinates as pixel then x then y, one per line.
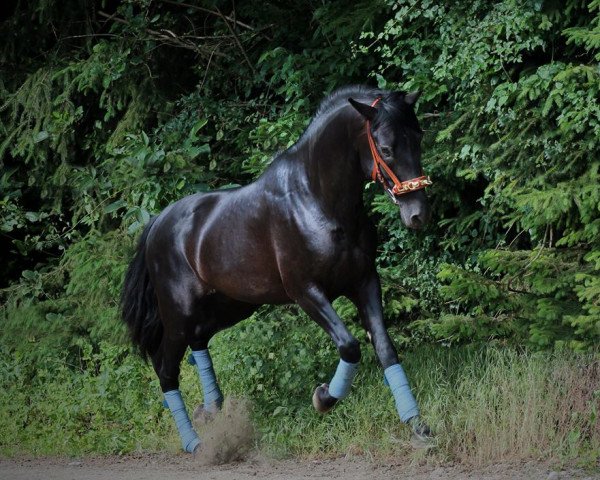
pixel 350 350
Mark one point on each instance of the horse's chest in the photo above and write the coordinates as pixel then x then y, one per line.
pixel 315 248
pixel 336 251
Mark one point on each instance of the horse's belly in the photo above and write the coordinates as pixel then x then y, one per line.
pixel 247 276
pixel 251 288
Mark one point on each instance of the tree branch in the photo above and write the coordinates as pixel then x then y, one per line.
pixel 237 41
pixel 206 10
pixel 170 38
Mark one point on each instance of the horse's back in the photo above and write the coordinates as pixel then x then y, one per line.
pixel 168 259
pixel 223 239
pixel 263 243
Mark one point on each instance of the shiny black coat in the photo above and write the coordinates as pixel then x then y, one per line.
pixel 300 233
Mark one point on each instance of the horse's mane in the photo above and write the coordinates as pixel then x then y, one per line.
pixel 341 95
pixel 331 102
pixel 392 108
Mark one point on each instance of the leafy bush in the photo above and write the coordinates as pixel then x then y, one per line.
pixel 107 116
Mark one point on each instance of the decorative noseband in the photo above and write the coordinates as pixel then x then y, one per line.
pixel 399 188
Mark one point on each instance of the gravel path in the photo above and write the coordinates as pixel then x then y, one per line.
pixel 183 467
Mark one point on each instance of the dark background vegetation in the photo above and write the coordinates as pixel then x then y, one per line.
pixel 111 110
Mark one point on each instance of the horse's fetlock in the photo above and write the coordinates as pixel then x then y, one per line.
pixel 350 350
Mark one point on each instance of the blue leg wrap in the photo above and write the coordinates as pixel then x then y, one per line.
pixel 213 398
pixel 405 401
pixel 340 384
pixel 189 438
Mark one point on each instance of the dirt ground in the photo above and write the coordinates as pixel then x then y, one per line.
pixel 184 467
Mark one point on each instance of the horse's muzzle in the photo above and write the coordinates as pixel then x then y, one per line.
pixel 414 210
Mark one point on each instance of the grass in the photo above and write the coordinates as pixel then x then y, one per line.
pixel 486 404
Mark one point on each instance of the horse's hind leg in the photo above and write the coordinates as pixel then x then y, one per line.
pixel 213 397
pixel 179 304
pixel 166 362
pixel 219 313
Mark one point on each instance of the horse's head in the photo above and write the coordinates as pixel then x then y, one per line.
pixel 395 138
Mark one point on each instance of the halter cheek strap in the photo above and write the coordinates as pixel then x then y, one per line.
pixel 399 188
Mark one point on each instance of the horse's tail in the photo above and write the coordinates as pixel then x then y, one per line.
pixel 139 307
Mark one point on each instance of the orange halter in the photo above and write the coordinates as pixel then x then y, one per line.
pixel 399 188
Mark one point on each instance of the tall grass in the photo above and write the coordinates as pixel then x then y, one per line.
pixel 486 405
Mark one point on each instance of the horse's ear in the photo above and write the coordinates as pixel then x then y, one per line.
pixel 412 97
pixel 365 110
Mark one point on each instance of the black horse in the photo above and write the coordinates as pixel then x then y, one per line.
pixel 300 233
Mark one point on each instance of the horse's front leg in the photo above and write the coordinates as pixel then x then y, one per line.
pixel 367 299
pixel 314 302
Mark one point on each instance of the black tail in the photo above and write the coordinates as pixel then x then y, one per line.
pixel 139 307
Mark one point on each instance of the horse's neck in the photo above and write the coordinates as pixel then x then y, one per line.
pixel 333 166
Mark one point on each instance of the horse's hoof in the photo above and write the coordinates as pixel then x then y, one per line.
pixel 192 446
pixel 422 442
pixel 322 401
pixel 202 416
pixel 422 436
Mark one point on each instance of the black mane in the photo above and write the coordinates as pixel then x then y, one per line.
pixel 341 95
pixel 331 102
pixel 392 108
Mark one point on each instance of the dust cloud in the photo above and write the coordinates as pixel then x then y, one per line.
pixel 227 436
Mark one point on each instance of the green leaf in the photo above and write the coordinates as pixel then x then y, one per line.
pixel 134 227
pixel 114 206
pixel 41 136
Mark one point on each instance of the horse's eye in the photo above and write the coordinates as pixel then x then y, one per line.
pixel 386 152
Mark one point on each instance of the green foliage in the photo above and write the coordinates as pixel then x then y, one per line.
pixel 55 406
pixel 541 298
pixel 518 204
pixel 283 352
pixel 106 117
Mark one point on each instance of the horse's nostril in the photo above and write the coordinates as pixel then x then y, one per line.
pixel 416 221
